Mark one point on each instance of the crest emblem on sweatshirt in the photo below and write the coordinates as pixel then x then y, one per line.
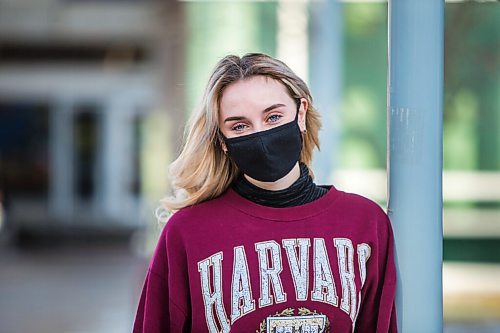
pixel 286 321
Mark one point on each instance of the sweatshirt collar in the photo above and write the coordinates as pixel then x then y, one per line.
pixel 283 214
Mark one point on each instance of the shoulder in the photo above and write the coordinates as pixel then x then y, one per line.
pixel 196 216
pixel 372 217
pixel 366 210
pixel 362 204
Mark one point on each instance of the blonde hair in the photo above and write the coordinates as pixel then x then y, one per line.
pixel 202 171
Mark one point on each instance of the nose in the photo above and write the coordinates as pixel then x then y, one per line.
pixel 258 127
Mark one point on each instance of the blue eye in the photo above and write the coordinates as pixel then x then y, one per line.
pixel 274 118
pixel 238 127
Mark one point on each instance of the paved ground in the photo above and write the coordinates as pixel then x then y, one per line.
pixel 94 289
pixel 69 290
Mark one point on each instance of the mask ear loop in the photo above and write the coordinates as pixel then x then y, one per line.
pixel 298 102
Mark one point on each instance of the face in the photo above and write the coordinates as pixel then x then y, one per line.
pixel 257 104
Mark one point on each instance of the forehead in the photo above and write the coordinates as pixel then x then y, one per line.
pixel 255 91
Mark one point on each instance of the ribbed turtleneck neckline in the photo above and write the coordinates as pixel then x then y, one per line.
pixel 302 191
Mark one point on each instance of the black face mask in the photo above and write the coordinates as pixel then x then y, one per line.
pixel 267 155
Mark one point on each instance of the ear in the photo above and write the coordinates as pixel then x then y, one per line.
pixel 220 138
pixel 302 114
pixel 223 145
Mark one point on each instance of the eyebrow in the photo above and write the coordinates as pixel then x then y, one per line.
pixel 269 108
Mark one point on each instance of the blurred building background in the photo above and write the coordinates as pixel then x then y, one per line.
pixel 93 98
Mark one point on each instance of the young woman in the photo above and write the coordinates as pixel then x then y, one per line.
pixel 254 244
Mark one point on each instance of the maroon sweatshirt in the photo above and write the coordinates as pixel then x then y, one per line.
pixel 230 265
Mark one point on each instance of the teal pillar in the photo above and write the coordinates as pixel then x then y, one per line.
pixel 415 109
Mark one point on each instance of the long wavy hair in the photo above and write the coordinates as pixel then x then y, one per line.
pixel 203 171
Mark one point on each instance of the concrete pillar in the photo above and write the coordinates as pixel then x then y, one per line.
pixel 292 38
pixel 113 155
pixel 61 187
pixel 325 56
pixel 169 58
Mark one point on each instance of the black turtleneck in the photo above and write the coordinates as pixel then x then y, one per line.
pixel 302 191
